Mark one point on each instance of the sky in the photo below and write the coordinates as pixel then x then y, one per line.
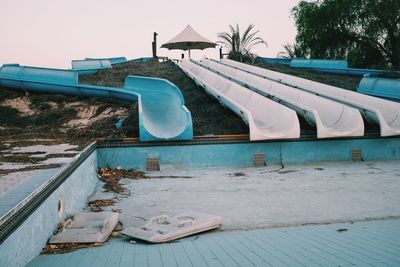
pixel 50 33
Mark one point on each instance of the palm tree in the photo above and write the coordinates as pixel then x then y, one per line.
pixel 240 45
pixel 291 51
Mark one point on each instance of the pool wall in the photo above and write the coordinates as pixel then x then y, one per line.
pixel 241 154
pixel 27 241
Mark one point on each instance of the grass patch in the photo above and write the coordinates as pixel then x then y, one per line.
pixel 388 75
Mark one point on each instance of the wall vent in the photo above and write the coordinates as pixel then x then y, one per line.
pixel 259 159
pixel 152 164
pixel 356 155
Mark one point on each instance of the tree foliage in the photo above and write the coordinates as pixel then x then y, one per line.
pixel 291 51
pixel 367 32
pixel 240 45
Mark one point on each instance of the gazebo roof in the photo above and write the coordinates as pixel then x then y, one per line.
pixel 189 39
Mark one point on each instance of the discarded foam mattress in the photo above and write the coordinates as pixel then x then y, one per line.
pixel 163 229
pixel 87 227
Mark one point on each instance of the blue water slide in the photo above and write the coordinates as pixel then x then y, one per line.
pixel 164 112
pixel 35 79
pixel 273 60
pixel 381 87
pixel 90 66
pixel 113 60
pixel 118 60
pixel 167 119
pixel 332 66
pixel 318 63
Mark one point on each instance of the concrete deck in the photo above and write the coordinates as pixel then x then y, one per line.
pixel 15 187
pixel 374 243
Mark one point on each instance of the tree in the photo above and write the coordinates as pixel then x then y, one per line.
pixel 291 51
pixel 240 46
pixel 340 28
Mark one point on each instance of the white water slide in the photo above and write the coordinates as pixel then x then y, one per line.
pixel 266 119
pixel 332 119
pixel 385 113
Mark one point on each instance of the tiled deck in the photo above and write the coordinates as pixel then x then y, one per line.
pixel 15 187
pixel 373 243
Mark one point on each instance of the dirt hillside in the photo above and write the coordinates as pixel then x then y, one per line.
pixel 87 118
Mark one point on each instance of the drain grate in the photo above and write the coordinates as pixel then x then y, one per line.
pixel 152 164
pixel 356 155
pixel 259 159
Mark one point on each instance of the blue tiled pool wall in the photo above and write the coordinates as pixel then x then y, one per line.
pixel 27 241
pixel 241 155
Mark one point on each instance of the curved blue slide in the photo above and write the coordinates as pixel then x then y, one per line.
pixel 380 87
pixel 162 113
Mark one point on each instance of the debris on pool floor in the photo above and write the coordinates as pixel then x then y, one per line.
pixel 87 227
pixel 271 196
pixel 163 229
pixel 112 178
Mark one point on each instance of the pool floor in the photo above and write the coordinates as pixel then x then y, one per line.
pixel 373 243
pixel 325 214
pixel 271 196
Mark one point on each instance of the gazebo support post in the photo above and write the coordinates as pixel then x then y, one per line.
pixel 154 45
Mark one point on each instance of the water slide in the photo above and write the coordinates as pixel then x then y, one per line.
pixel 90 66
pixel 382 112
pixel 318 63
pixel 163 106
pixel 274 60
pixel 162 113
pixel 381 87
pixel 322 65
pixel 331 119
pixel 113 60
pixel 332 66
pixel 266 119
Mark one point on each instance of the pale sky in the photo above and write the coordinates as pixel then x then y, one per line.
pixel 50 33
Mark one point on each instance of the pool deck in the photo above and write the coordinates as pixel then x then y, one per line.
pixel 368 243
pixel 15 187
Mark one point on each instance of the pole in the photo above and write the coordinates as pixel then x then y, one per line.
pixel 189 54
pixel 154 45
